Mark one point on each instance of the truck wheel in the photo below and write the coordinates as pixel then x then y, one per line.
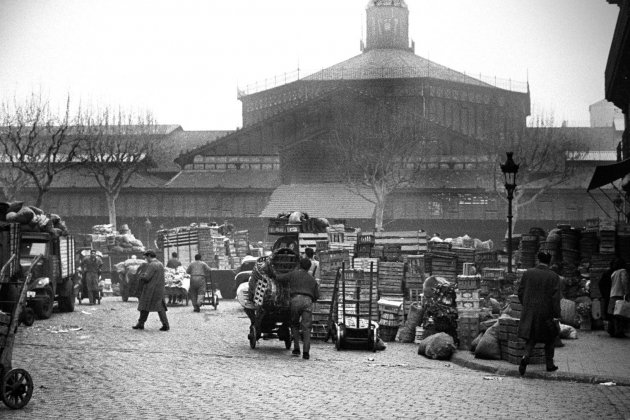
pixel 44 307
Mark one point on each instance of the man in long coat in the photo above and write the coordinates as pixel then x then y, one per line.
pixel 539 293
pixel 152 295
pixel 91 267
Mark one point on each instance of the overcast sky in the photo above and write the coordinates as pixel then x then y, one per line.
pixel 183 59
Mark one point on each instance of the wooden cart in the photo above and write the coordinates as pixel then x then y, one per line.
pixel 16 386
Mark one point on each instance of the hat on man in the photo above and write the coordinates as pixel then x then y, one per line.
pixel 149 253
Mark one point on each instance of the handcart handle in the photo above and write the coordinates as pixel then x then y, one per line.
pixel 4 267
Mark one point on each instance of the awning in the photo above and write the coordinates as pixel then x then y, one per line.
pixel 605 174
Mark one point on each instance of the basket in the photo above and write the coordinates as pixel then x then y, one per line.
pixel 387 333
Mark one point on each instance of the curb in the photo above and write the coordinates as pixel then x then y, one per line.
pixel 555 376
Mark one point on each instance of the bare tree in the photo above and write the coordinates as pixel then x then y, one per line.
pixel 542 152
pixel 379 150
pixel 13 182
pixel 36 142
pixel 115 147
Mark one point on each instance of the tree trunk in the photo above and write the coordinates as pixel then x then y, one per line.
pixel 379 208
pixel 111 209
pixel 40 198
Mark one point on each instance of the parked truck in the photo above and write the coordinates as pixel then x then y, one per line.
pixel 54 274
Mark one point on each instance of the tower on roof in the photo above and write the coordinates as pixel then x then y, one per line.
pixel 387 25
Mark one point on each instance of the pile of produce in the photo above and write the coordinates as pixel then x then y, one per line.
pixel 32 219
pixel 176 277
pixel 123 242
pixel 440 310
pixel 103 229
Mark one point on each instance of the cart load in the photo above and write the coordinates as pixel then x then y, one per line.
pixel 267 304
pixel 264 289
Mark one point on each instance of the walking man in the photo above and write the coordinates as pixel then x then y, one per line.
pixel 303 290
pixel 199 272
pixel 152 296
pixel 539 293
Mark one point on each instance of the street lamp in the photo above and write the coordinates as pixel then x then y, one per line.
pixel 147 226
pixel 509 169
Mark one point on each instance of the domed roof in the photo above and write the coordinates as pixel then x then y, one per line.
pixel 395 3
pixel 389 63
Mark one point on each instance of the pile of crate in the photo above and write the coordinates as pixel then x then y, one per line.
pixel 513 347
pixel 444 264
pixel 464 256
pixel 240 239
pixel 491 280
pixel 365 244
pixel 312 240
pixel 468 308
pixel 407 242
pixel 390 279
pixel 340 238
pixel 414 272
pixel 355 287
pixel 329 263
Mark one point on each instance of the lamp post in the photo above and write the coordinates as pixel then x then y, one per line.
pixel 147 226
pixel 509 169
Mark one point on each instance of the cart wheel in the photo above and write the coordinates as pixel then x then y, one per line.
pixel 339 337
pixel 28 317
pixel 16 388
pixel 252 337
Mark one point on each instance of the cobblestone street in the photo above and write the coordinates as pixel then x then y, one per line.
pixel 204 368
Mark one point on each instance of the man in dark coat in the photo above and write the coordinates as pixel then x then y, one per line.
pixel 539 293
pixel 152 295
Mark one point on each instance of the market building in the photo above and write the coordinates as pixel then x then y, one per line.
pixel 278 160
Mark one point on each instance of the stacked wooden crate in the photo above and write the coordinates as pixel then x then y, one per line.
pixel 468 309
pixel 414 279
pixel 464 256
pixel 365 264
pixel 491 279
pixel 410 242
pixel 340 239
pixel 354 291
pixel 513 347
pixel 390 280
pixel 364 245
pixel 329 263
pixel 444 264
pixel 310 240
pixel 241 243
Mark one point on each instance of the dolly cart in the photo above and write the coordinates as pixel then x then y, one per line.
pixel 16 387
pixel 211 297
pixel 352 330
pixel 272 315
